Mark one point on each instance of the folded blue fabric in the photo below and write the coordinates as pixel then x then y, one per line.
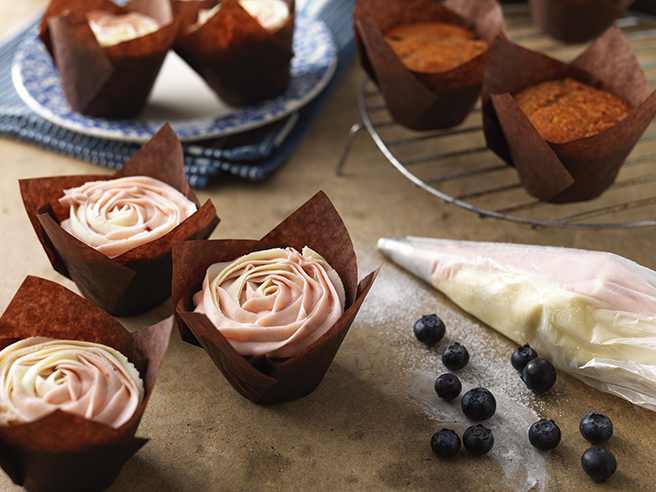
pixel 253 154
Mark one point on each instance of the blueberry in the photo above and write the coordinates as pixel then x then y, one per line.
pixel 521 356
pixel 478 439
pixel 596 428
pixel 597 462
pixel 455 356
pixel 539 375
pixel 544 434
pixel 448 386
pixel 478 404
pixel 445 443
pixel 429 329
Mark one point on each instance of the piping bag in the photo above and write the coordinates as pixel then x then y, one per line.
pixel 593 314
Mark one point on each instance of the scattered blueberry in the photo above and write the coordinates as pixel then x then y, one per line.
pixel 429 329
pixel 544 434
pixel 478 439
pixel 597 462
pixel 539 375
pixel 455 356
pixel 448 386
pixel 596 428
pixel 445 443
pixel 521 356
pixel 478 404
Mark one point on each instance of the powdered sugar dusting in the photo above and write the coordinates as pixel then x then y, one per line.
pixel 512 450
pixel 397 300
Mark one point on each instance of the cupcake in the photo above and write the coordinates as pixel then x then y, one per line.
pixel 555 161
pixel 112 235
pixel 57 433
pixel 242 48
pixel 575 21
pixel 272 313
pixel 427 58
pixel 107 56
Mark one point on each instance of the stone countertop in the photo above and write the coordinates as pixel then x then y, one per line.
pixel 368 425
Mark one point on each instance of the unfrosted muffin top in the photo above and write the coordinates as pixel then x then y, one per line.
pixel 566 109
pixel 434 46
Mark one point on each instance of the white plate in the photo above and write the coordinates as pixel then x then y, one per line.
pixel 180 96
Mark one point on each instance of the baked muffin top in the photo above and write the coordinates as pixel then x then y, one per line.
pixel 566 109
pixel 434 46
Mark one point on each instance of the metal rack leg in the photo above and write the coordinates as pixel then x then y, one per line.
pixel 347 146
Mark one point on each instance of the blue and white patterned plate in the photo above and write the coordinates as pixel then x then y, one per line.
pixel 180 97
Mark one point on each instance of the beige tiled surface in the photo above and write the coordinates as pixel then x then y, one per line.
pixel 368 425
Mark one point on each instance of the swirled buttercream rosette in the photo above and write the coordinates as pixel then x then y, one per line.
pixel 108 56
pixel 431 99
pixel 271 357
pixel 67 442
pixel 116 216
pixel 39 375
pixel 273 302
pixel 131 281
pixel 242 61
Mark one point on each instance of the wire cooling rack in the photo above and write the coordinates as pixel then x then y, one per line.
pixel 455 165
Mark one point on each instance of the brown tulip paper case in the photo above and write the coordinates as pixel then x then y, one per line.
pixel 239 59
pixel 140 279
pixel 260 379
pixel 575 21
pixel 580 169
pixel 109 82
pixel 424 100
pixel 64 452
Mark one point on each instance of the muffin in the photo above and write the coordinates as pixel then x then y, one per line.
pixel 53 440
pixel 119 252
pixel 567 170
pixel 566 109
pixel 242 48
pixel 396 47
pixel 107 56
pixel 575 21
pixel 272 313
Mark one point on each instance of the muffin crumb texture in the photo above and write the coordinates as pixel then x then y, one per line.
pixel 566 109
pixel 434 46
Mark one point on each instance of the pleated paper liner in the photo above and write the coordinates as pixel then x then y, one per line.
pixel 240 60
pixel 140 279
pixel 576 21
pixel 424 100
pixel 63 452
pixel 580 169
pixel 317 225
pixel 109 82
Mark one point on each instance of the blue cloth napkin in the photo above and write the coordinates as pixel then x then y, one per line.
pixel 253 154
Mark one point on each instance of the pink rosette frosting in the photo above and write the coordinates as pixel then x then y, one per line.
pixel 117 215
pixel 274 302
pixel 39 375
pixel 270 14
pixel 110 29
